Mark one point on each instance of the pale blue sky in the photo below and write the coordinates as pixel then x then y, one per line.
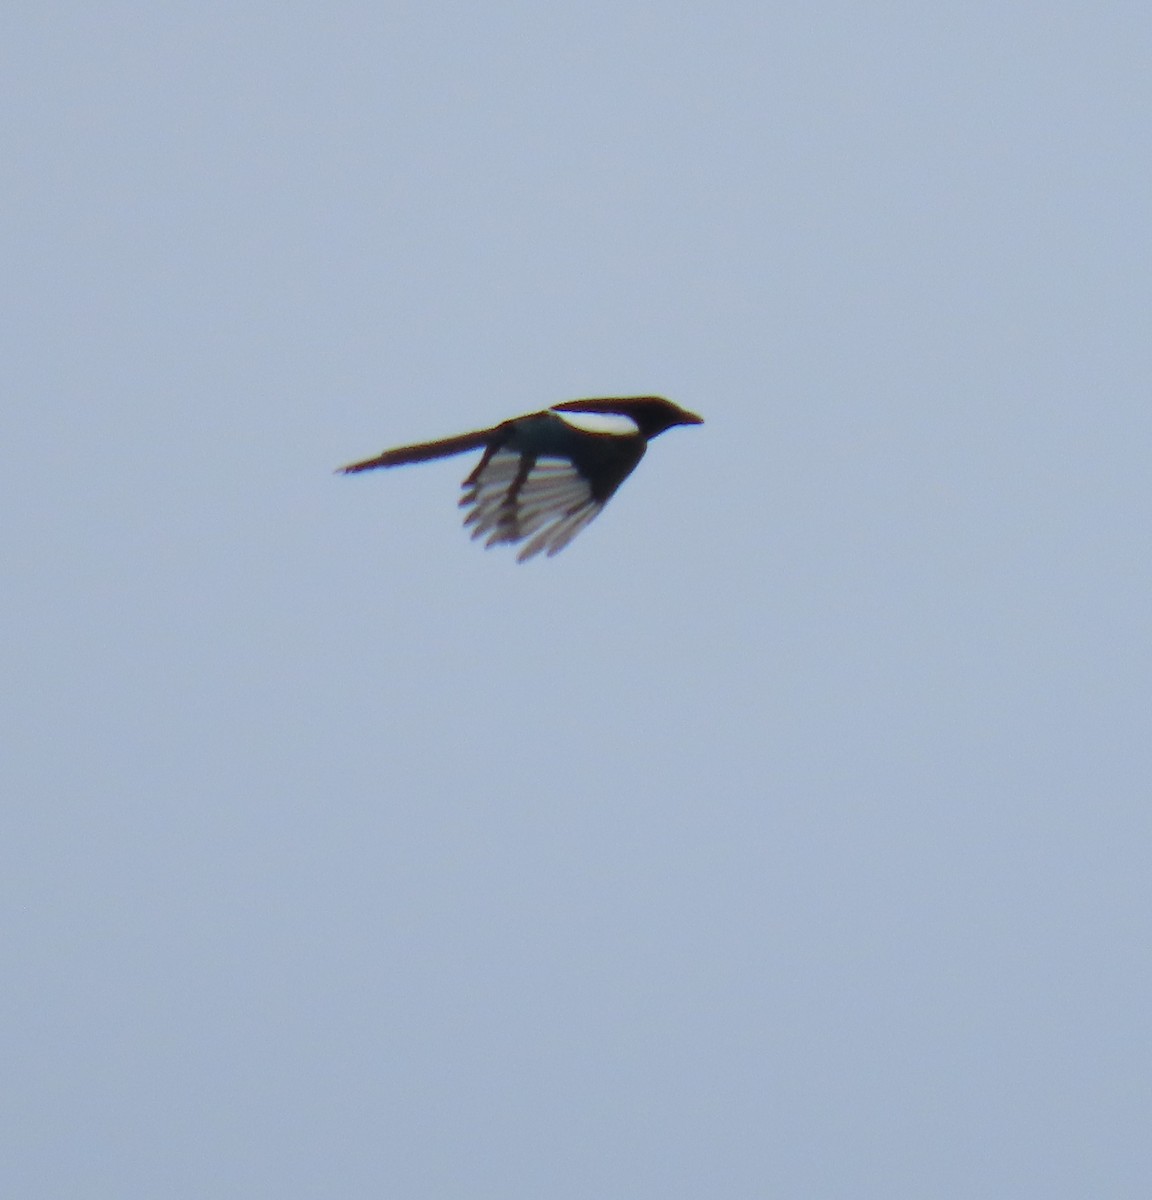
pixel 787 835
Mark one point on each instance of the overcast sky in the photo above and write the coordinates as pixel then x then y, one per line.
pixel 788 835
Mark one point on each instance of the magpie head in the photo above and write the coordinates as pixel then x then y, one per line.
pixel 652 414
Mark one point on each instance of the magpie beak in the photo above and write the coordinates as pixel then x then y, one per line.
pixel 545 476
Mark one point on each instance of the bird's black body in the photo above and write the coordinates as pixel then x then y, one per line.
pixel 546 475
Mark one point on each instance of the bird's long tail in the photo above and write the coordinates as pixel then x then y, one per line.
pixel 422 451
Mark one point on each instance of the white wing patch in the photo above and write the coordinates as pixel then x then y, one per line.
pixel 616 424
pixel 548 510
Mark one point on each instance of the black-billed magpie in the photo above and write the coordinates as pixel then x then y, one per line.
pixel 544 476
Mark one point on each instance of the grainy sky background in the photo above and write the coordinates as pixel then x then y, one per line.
pixel 788 835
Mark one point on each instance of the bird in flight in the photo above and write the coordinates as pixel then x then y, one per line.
pixel 543 477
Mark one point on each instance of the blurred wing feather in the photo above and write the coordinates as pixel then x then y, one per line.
pixel 548 502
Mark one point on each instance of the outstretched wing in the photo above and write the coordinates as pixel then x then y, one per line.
pixel 512 497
